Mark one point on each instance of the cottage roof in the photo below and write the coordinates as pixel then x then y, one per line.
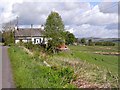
pixel 28 32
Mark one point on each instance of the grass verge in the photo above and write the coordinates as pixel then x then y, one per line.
pixel 30 72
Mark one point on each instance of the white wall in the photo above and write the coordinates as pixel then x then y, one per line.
pixel 41 39
pixel 37 41
pixel 33 40
pixel 46 40
pixel 16 41
pixel 24 41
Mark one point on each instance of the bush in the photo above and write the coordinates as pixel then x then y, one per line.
pixel 105 43
pixel 67 73
pixel 8 37
pixel 32 47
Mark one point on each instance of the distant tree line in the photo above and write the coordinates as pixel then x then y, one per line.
pixel 89 42
pixel 105 43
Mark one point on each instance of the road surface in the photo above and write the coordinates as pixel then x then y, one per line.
pixel 7 79
pixel 0 67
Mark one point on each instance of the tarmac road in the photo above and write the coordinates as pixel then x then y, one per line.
pixel 7 79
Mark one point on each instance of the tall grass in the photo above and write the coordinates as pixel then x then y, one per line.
pixel 66 68
pixel 31 73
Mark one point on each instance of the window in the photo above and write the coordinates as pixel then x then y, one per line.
pixel 40 40
pixel 37 41
pixel 34 40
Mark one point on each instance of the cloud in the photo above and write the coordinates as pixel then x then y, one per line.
pixel 112 26
pixel 37 12
pixel 95 17
pixel 87 30
pixel 72 13
pixel 81 18
pixel 6 10
pixel 109 7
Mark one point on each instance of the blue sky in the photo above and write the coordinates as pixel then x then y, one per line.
pixel 83 19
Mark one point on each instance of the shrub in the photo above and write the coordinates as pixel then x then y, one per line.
pixel 105 43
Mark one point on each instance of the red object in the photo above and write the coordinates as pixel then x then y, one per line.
pixel 62 47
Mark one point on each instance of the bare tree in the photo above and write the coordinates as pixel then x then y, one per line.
pixel 8 32
pixel 9 26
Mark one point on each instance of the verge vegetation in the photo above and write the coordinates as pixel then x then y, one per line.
pixel 75 68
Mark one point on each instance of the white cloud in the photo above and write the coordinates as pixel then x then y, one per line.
pixel 87 30
pixel 95 17
pixel 39 11
pixel 81 18
pixel 7 15
pixel 109 7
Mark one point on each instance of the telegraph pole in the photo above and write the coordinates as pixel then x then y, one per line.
pixel 31 31
pixel 16 27
pixel 17 22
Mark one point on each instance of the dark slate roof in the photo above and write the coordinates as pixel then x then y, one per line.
pixel 28 32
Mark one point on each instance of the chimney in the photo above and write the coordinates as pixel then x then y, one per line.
pixel 31 26
pixel 31 30
pixel 16 25
pixel 42 27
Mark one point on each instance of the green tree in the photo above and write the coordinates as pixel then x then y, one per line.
pixel 8 37
pixel 70 38
pixel 83 41
pixel 90 43
pixel 54 30
pixel 8 32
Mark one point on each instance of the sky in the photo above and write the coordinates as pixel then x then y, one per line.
pixel 88 18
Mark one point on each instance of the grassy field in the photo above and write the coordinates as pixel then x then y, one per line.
pixel 67 69
pixel 95 48
pixel 86 53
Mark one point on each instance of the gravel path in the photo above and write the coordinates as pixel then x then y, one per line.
pixel 7 79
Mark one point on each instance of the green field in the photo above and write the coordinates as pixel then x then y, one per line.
pixel 66 68
pixel 95 48
pixel 86 53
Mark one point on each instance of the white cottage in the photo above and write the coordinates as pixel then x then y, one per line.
pixel 30 34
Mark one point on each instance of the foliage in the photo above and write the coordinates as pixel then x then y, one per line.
pixel 70 38
pixel 29 73
pixel 65 67
pixel 33 47
pixel 83 41
pixel 95 68
pixel 29 45
pixel 105 43
pixel 8 32
pixel 54 30
pixel 90 42
pixel 8 37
